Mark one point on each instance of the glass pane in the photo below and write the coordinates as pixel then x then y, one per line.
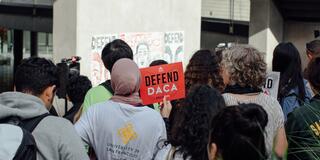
pixel 6 59
pixel 26 44
pixel 45 48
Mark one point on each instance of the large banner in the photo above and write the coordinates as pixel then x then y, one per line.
pixel 160 81
pixel 146 47
pixel 271 86
pixel 174 46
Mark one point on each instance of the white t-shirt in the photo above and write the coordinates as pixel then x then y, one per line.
pixel 168 153
pixel 120 131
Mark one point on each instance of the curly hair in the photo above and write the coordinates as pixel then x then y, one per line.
pixel 35 74
pixel 245 65
pixel 190 130
pixel 204 68
pixel 77 88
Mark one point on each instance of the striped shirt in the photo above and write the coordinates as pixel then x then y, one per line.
pixel 273 109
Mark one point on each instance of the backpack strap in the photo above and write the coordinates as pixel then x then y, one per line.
pixel 31 124
pixel 107 85
pixel 170 155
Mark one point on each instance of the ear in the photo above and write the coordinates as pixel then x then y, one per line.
pixel 309 55
pixel 48 95
pixel 212 151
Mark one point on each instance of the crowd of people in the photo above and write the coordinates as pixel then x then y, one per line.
pixel 225 114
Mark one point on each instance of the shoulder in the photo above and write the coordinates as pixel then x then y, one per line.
pixel 308 109
pixel 53 127
pixel 168 151
pixel 152 112
pixel 95 95
pixel 270 104
pixel 53 121
pixel 268 99
pixel 229 100
pixel 225 95
pixel 298 120
pixel 309 92
pixel 163 152
pixel 97 90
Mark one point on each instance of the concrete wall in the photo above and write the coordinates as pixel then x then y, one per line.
pixel 299 33
pixel 210 40
pixel 221 9
pixel 74 27
pixel 64 29
pixel 266 28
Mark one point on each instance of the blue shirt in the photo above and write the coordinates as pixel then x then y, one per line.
pixel 291 102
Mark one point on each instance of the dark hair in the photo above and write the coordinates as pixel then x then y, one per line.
pixel 238 132
pixel 286 60
pixel 314 73
pixel 158 62
pixel 114 51
pixel 77 88
pixel 204 68
pixel 34 75
pixel 314 47
pixel 190 130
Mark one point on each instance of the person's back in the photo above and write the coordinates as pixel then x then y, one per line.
pixel 55 137
pixel 112 52
pixel 77 88
pixel 191 127
pixel 293 90
pixel 121 131
pixel 291 100
pixel 270 105
pixel 120 128
pixel 237 132
pixel 303 131
pixel 244 86
pixel 303 123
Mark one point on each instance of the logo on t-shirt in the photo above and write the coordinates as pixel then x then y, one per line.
pixel 315 127
pixel 127 133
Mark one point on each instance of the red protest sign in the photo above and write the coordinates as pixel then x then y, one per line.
pixel 162 80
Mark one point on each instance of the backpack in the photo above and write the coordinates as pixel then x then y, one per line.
pixel 17 142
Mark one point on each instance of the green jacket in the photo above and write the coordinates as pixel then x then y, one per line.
pixel 303 131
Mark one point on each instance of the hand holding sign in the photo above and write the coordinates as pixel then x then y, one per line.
pixel 162 80
pixel 165 107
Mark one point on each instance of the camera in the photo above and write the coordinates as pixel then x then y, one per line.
pixel 67 67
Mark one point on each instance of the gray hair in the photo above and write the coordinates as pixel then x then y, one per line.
pixel 246 66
